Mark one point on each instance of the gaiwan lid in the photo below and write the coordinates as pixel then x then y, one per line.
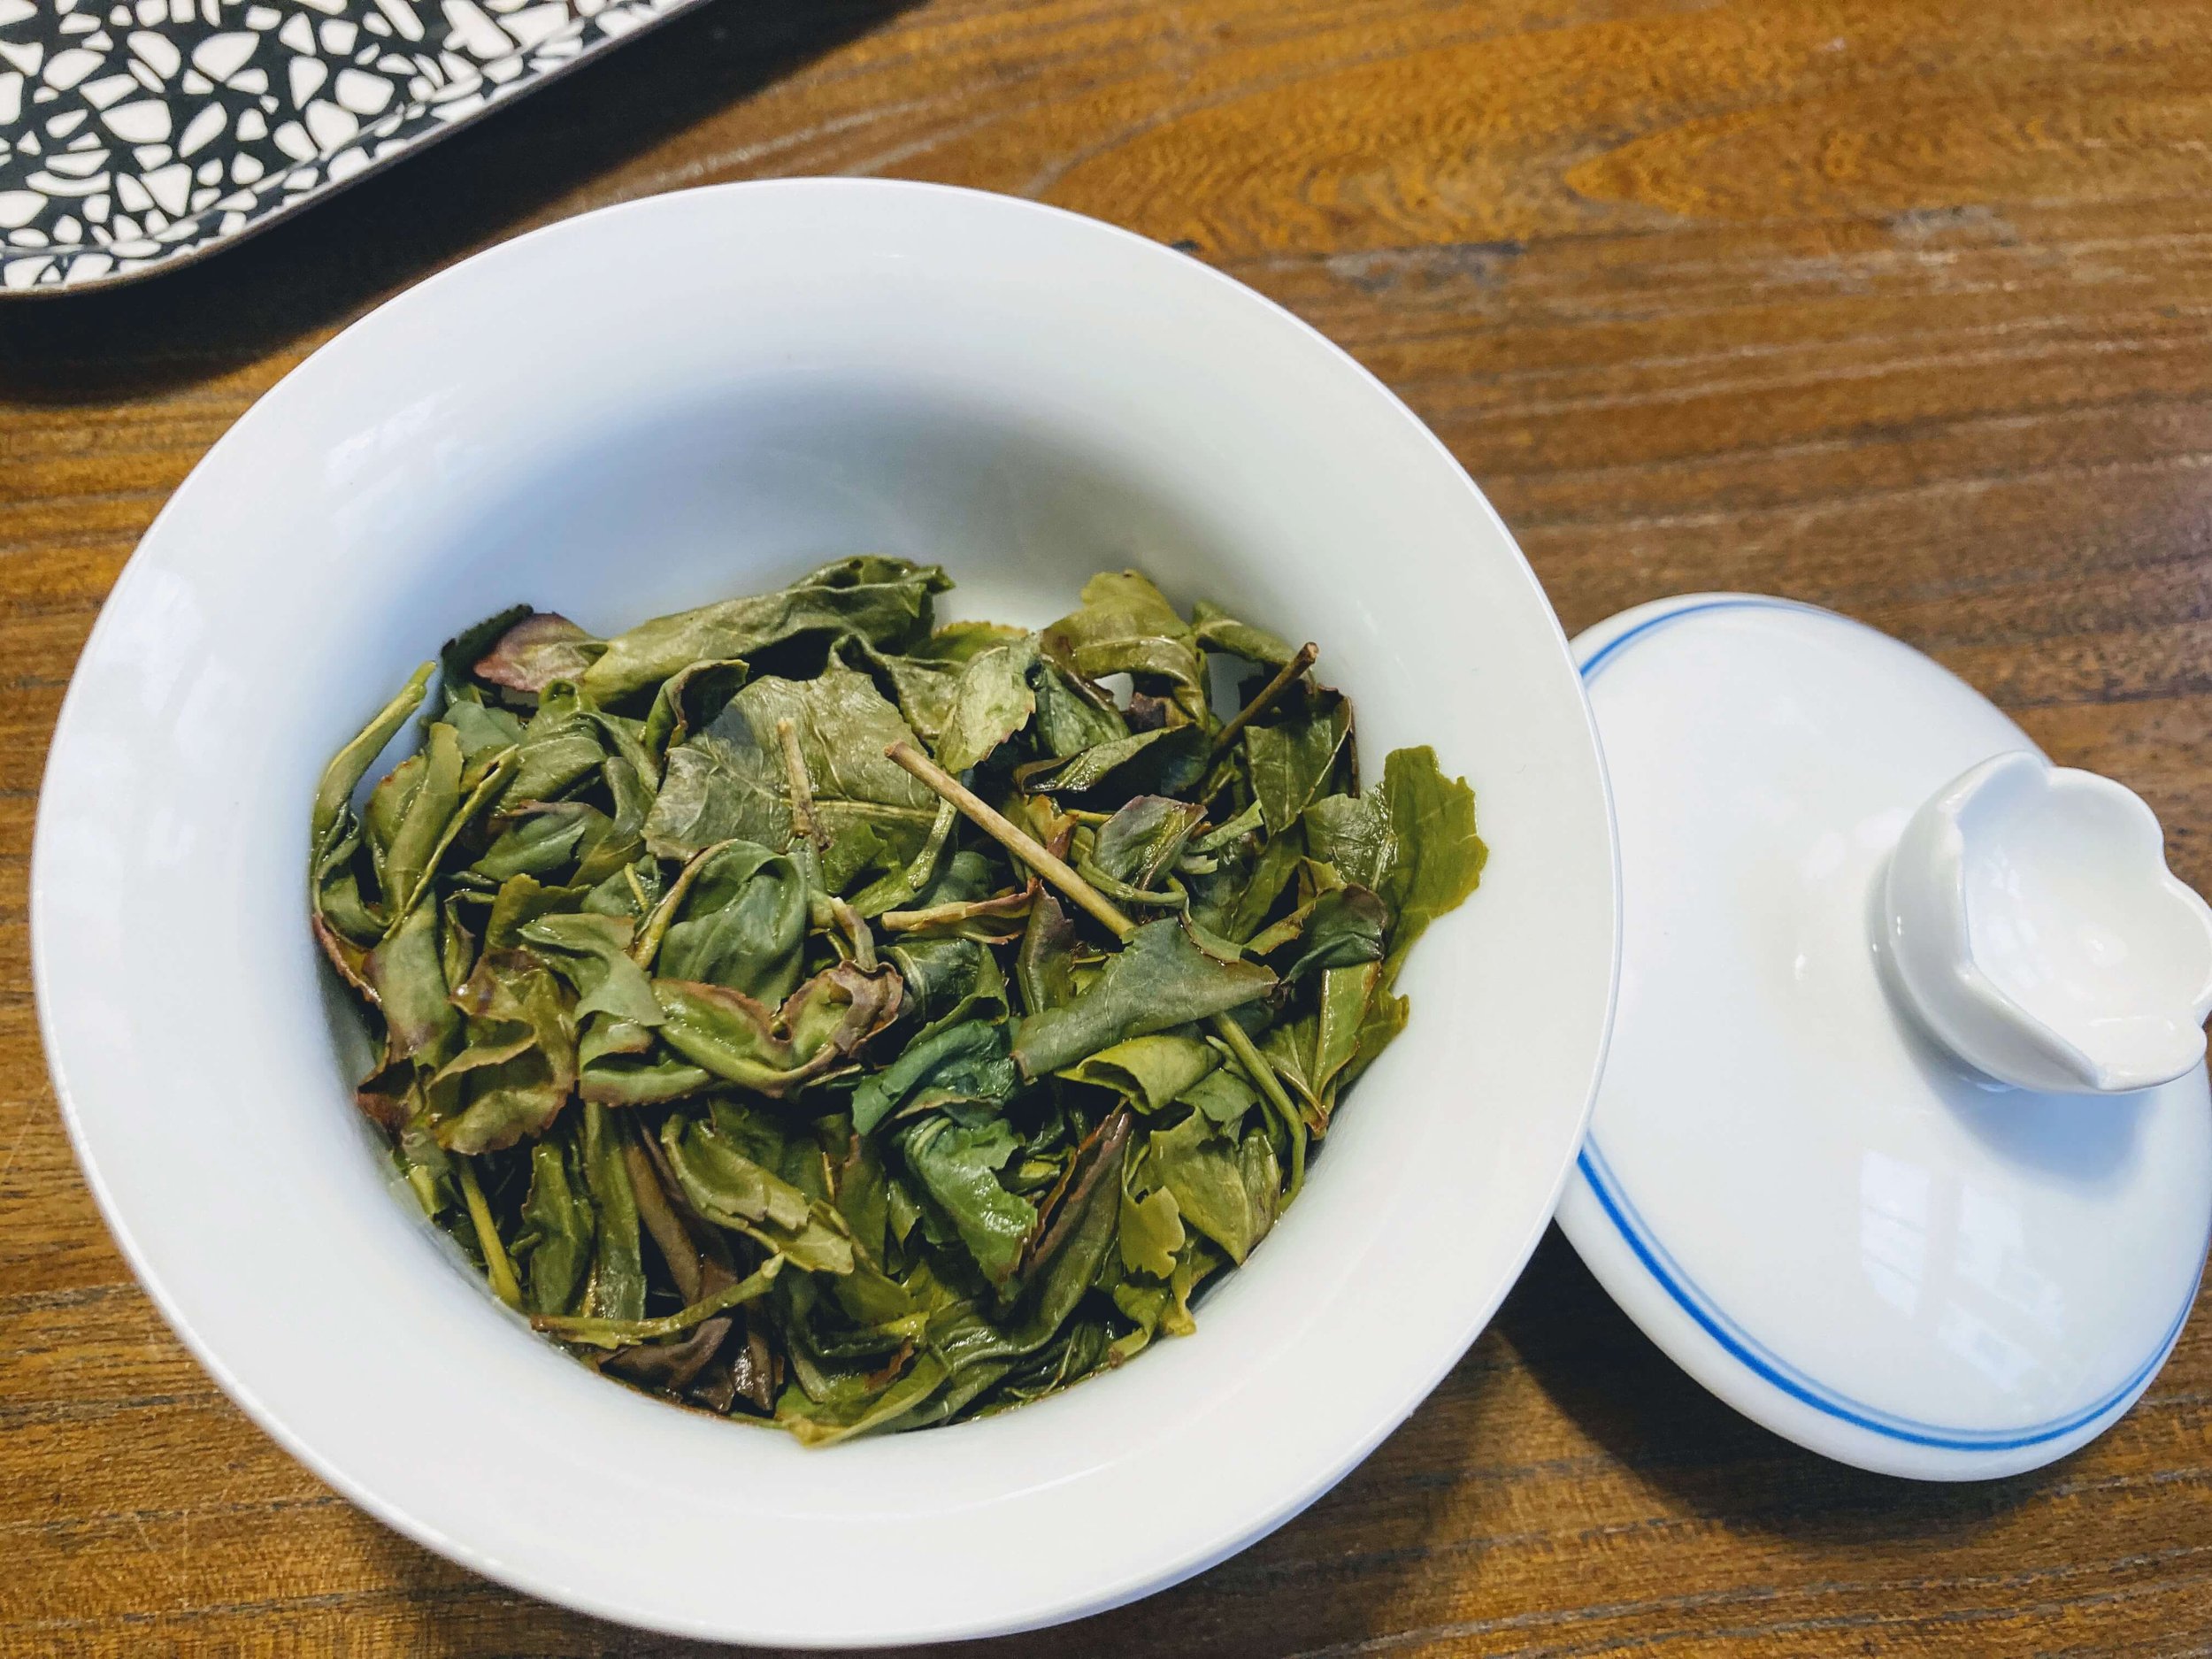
pixel 1904 1147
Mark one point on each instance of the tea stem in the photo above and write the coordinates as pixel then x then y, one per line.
pixel 648 943
pixel 1032 852
pixel 623 1333
pixel 497 1268
pixel 803 819
pixel 1255 1066
pixel 1274 689
pixel 1016 839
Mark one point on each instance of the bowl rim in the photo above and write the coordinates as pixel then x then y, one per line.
pixel 518 1574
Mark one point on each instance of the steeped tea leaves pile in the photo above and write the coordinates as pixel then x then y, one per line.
pixel 808 1012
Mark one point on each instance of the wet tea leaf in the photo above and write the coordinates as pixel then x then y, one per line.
pixel 934 1086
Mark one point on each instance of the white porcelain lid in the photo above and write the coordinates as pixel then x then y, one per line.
pixel 1815 1207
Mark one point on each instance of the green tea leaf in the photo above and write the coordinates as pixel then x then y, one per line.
pixel 733 1191
pixel 1347 994
pixel 1151 1072
pixel 1125 626
pixel 949 980
pixel 993 701
pixel 518 1068
pixel 617 1287
pixel 1412 842
pixel 1151 1226
pixel 605 851
pixel 727 1186
pixel 408 977
pixel 1162 761
pixel 729 782
pixel 885 601
pixel 558 1216
pixel 1222 1096
pixel 688 701
pixel 425 1164
pixel 1072 714
pixel 1342 928
pixel 1437 857
pixel 1385 1019
pixel 1045 965
pixel 1293 761
pixel 483 732
pixel 351 763
pixel 615 1073
pixel 593 954
pixel 1217 631
pixel 1141 842
pixel 1079 1232
pixel 539 841
pixel 561 746
pixel 1237 899
pixel 429 808
pixel 1160 978
pixel 814 1426
pixel 743 923
pixel 1222 1190
pixel 958 1166
pixel 925 680
pixel 520 901
pixel 823 1023
pixel 967 1062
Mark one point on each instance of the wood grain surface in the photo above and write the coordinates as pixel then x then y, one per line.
pixel 1902 308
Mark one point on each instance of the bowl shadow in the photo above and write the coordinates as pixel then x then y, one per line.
pixel 1708 1460
pixel 335 258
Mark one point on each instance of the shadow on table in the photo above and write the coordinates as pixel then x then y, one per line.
pixel 1602 1371
pixel 338 256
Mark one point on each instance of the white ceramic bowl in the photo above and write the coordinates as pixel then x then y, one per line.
pixel 701 395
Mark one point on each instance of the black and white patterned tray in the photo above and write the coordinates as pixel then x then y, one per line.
pixel 136 133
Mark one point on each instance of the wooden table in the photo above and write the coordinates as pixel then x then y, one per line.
pixel 1903 308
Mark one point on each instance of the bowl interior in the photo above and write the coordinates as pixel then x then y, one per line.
pixel 798 373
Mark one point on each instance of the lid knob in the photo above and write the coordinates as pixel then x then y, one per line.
pixel 2028 919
